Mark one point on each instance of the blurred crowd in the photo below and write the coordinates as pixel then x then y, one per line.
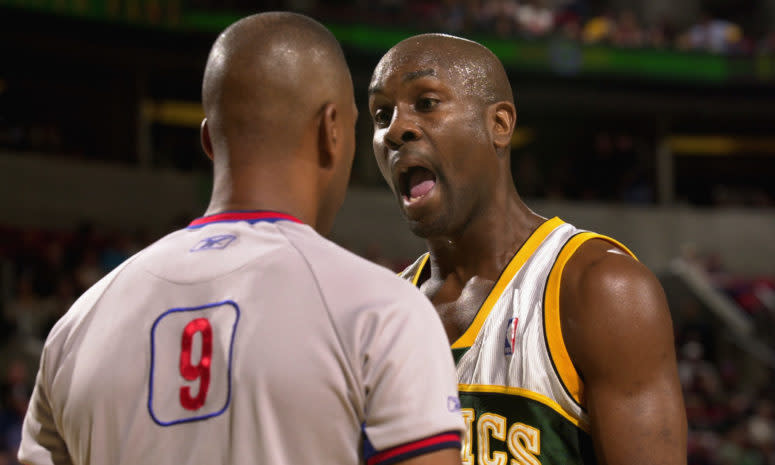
pixel 574 20
pixel 614 166
pixel 754 296
pixel 730 400
pixel 42 272
pixel 731 420
pixel 602 165
pixel 586 21
pixel 731 413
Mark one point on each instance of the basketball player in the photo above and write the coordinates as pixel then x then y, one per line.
pixel 248 338
pixel 562 339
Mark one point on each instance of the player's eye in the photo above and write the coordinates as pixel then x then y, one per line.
pixel 426 103
pixel 382 116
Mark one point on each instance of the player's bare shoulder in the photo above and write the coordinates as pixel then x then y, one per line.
pixel 609 299
pixel 601 272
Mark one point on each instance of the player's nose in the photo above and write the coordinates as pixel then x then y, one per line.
pixel 403 128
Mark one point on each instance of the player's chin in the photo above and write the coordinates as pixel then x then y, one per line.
pixel 425 226
pixel 425 219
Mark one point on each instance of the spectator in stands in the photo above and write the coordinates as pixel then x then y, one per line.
pixel 65 295
pixel 660 34
pixel 568 22
pixel 627 32
pixel 49 267
pixel 578 8
pixel 767 44
pixel 117 249
pixel 712 35
pixel 451 17
pixel 500 16
pixel 14 397
pixel 389 10
pixel 599 29
pixel 534 18
pixel 89 270
pixel 28 312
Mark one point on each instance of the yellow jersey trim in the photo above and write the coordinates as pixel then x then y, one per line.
pixel 418 272
pixel 527 249
pixel 521 392
pixel 558 352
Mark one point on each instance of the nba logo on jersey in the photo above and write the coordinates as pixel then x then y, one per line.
pixel 511 336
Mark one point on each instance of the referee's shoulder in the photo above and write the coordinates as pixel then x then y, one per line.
pixel 342 274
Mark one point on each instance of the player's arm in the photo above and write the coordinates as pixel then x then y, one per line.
pixel 618 331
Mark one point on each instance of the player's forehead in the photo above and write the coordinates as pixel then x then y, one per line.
pixel 448 60
pixel 405 64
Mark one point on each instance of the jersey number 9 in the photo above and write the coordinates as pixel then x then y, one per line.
pixel 191 372
pixel 191 362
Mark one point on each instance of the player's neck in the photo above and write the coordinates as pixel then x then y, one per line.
pixel 486 245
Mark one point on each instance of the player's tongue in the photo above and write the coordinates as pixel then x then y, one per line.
pixel 421 181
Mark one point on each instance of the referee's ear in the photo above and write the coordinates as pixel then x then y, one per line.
pixel 328 136
pixel 204 134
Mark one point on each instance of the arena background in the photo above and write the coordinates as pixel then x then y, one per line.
pixel 653 122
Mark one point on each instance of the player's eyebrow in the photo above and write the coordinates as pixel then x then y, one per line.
pixel 410 76
pixel 374 89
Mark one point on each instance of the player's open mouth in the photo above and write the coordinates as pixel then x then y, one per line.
pixel 415 183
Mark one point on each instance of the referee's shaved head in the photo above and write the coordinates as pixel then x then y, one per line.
pixel 279 118
pixel 267 75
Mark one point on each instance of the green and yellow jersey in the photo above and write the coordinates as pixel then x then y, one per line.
pixel 521 396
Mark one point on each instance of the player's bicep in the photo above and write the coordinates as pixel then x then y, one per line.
pixel 622 342
pixel 647 421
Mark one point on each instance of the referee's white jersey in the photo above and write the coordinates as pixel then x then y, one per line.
pixel 246 338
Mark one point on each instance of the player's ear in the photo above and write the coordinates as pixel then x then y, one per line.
pixel 204 134
pixel 329 138
pixel 502 121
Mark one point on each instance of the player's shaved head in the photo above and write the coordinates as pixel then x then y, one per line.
pixel 444 116
pixel 267 76
pixel 476 70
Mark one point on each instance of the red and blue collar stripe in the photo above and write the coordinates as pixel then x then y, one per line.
pixel 252 216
